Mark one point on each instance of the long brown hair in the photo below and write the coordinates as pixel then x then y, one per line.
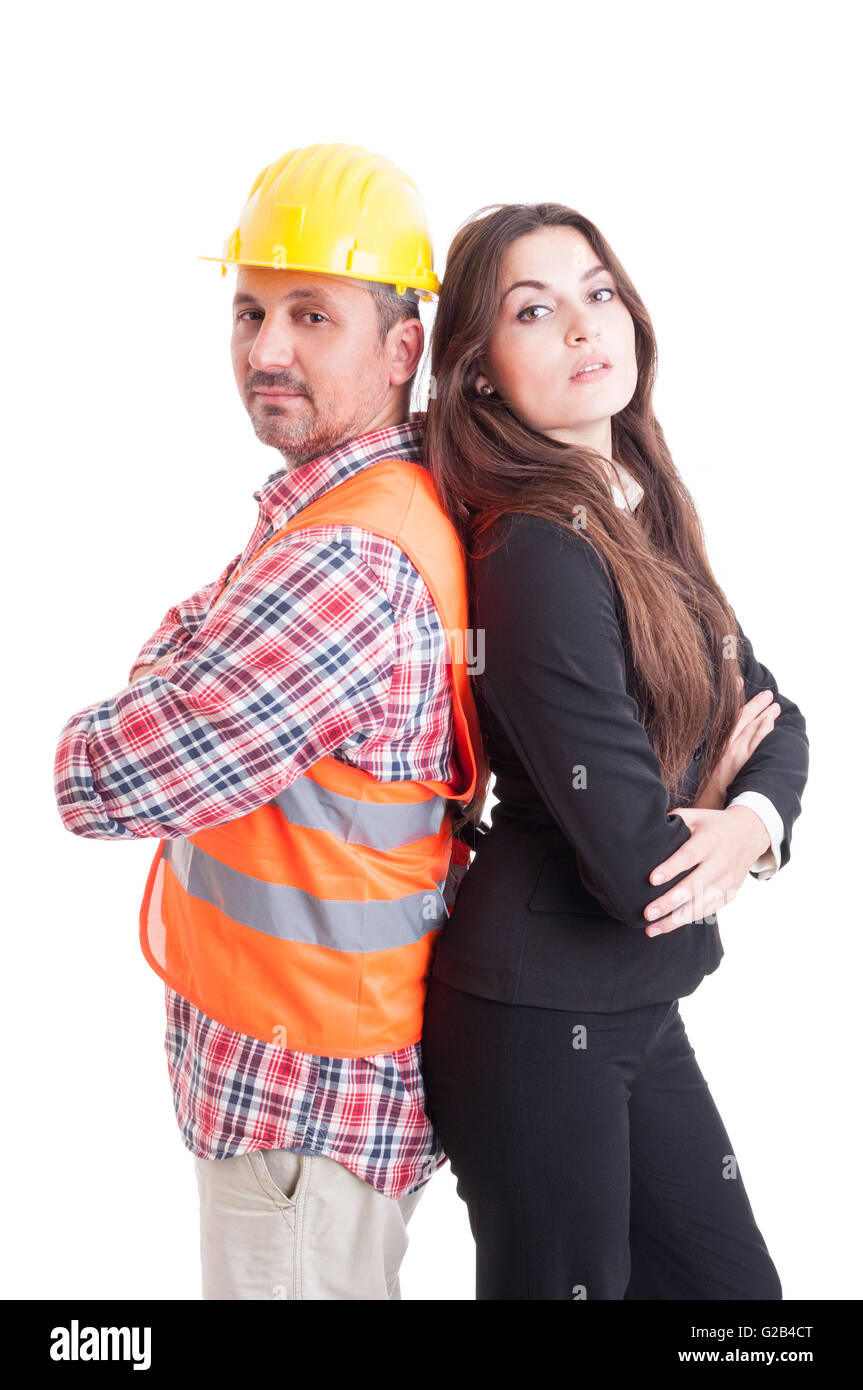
pixel 679 631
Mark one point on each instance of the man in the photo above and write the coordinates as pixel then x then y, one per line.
pixel 296 735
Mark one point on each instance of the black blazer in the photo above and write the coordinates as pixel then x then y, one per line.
pixel 550 912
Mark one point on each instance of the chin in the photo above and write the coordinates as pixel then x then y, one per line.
pixel 282 434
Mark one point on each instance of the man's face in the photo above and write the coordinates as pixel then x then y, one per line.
pixel 308 360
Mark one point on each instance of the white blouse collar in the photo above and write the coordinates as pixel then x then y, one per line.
pixel 632 491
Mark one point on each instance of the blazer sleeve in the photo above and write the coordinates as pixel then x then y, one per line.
pixel 554 676
pixel 779 767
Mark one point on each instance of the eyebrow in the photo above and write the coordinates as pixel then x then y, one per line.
pixel 302 293
pixel 541 285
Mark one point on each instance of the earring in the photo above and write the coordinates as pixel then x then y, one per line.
pixel 487 389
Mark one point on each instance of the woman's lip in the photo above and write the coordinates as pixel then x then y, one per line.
pixel 588 376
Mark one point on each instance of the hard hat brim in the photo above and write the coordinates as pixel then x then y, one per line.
pixel 427 289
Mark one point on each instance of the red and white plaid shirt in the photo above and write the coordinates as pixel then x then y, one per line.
pixel 329 644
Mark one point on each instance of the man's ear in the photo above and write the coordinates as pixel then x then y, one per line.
pixel 405 342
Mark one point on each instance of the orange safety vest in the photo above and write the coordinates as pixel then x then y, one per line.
pixel 311 922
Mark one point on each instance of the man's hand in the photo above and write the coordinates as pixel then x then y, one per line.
pixel 141 671
pixel 720 851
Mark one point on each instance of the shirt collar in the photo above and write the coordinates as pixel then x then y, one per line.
pixel 631 493
pixel 287 492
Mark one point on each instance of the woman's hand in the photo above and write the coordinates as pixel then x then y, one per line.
pixel 755 722
pixel 720 852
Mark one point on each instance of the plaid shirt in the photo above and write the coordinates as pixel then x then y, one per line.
pixel 329 644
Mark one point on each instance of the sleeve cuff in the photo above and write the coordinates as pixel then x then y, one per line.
pixel 766 864
pixel 158 647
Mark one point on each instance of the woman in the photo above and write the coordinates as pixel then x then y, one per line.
pixel 610 679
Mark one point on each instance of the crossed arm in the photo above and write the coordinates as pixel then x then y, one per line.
pixel 555 677
pixel 235 701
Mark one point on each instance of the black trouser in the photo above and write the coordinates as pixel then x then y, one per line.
pixel 590 1154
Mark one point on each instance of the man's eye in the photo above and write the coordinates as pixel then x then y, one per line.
pixel 529 310
pixel 245 312
pixel 314 314
pixel 604 289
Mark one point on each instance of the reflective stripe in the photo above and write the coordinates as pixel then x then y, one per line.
pixel 376 825
pixel 292 915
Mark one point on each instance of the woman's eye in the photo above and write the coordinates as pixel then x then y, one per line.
pixel 529 310
pixel 604 289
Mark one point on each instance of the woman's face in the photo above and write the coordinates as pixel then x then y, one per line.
pixel 568 315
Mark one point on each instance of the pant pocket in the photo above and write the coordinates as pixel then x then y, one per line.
pixel 279 1173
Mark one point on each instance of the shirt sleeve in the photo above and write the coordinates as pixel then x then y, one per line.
pixel 779 767
pixel 181 621
pixel 555 679
pixel 297 656
pixel 766 864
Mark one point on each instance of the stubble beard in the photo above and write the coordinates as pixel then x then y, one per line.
pixel 314 430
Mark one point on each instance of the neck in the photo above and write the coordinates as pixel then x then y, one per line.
pixel 596 435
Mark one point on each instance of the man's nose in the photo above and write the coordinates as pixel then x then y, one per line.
pixel 273 347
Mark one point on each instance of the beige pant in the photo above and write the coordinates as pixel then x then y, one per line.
pixel 279 1224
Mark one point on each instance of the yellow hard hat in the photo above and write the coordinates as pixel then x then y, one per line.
pixel 335 210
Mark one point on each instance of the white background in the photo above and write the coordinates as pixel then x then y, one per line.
pixel 715 148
